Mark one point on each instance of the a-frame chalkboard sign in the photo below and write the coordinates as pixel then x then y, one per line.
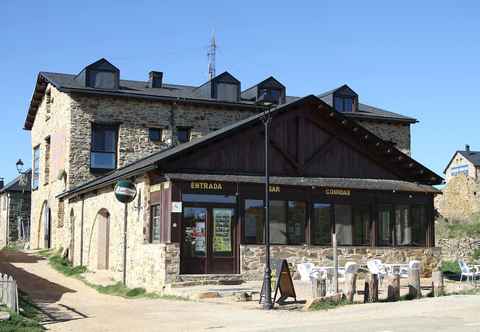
pixel 283 282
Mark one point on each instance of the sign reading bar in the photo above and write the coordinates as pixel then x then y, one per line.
pixel 274 189
pixel 206 185
pixel 337 192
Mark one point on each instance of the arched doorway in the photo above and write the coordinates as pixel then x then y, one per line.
pixel 103 239
pixel 71 251
pixel 47 226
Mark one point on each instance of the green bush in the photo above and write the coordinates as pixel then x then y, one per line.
pixel 450 267
pixel 451 229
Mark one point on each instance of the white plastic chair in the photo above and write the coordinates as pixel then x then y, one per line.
pixel 375 266
pixel 305 269
pixel 467 271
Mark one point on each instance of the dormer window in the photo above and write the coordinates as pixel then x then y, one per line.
pixel 100 75
pixel 273 95
pixel 344 104
pixel 227 92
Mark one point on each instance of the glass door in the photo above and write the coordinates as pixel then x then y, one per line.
pixel 222 243
pixel 194 241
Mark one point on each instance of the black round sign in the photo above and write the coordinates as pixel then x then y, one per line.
pixel 125 191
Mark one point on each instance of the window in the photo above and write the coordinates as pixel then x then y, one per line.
pixel 419 226
pixel 361 225
pixel 321 222
pixel 344 104
pixel 385 230
pixel 155 211
pixel 36 167
pixel 47 161
pixel 343 224
pixel 48 103
pixel 103 79
pixel 155 134
pixel 403 227
pixel 273 95
pixel 183 134
pixel 103 155
pixel 227 92
pixel 287 222
pixel 4 201
pixel 209 198
pixel 254 221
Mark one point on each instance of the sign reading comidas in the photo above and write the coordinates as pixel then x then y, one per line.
pixel 206 185
pixel 337 192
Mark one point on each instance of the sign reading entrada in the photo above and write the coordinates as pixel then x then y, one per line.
pixel 206 185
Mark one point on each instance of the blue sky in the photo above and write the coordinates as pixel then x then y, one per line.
pixel 416 58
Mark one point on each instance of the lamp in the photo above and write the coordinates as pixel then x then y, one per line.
pixel 266 102
pixel 19 165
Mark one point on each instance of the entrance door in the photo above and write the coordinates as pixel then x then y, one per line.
pixel 208 241
pixel 47 227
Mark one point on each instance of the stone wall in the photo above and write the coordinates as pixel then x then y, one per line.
pixel 14 206
pixel 252 257
pixel 54 124
pixel 460 198
pixel 455 249
pixel 398 133
pixel 135 117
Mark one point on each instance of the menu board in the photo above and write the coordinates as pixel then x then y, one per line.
pixel 222 230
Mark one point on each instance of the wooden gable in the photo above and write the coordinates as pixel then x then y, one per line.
pixel 304 141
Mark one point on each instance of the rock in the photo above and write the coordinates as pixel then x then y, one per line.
pixel 4 315
pixel 206 295
pixel 243 297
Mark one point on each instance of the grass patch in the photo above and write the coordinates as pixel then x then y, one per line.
pixel 328 305
pixel 64 266
pixel 455 229
pixel 26 321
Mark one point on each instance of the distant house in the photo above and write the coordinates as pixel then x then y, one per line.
pixel 15 209
pixel 464 162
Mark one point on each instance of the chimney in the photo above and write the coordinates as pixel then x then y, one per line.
pixel 467 147
pixel 155 79
pixel 1 183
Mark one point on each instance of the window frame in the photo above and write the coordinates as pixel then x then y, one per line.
pixel 153 207
pixel 115 128
pixel 36 168
pixel 189 133
pixel 160 132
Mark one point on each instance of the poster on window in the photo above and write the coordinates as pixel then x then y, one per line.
pixel 199 236
pixel 222 230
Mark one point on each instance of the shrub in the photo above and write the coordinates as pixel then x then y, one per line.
pixel 450 267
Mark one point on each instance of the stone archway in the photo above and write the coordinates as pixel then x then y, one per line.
pixel 103 239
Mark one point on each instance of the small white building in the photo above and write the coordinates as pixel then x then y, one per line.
pixel 464 162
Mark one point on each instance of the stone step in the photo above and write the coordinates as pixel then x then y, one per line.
pixel 188 280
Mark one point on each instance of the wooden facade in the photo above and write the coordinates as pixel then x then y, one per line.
pixel 309 141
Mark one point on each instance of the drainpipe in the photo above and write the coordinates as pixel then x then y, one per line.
pixel 81 232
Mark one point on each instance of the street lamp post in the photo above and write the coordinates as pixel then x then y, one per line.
pixel 266 118
pixel 22 228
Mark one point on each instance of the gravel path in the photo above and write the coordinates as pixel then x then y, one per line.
pixel 72 306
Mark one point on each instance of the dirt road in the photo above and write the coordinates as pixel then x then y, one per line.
pixel 73 306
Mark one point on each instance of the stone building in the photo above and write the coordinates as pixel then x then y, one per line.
pixel 465 162
pixel 88 124
pixel 15 210
pixel 199 208
pixel 460 197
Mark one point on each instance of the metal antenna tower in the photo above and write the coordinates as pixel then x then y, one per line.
pixel 212 49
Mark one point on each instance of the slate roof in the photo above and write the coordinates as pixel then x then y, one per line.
pixel 14 185
pixel 150 162
pixel 471 156
pixel 173 92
